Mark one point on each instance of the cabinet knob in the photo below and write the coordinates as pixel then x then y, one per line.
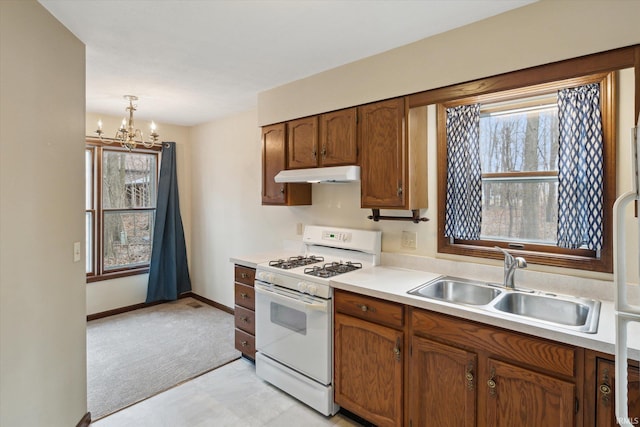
pixel 491 383
pixel 605 388
pixel 469 376
pixel 324 152
pixel 282 189
pixel 244 275
pixel 366 308
pixel 396 350
pixel 314 153
pixel 244 343
pixel 245 319
pixel 399 191
pixel 243 295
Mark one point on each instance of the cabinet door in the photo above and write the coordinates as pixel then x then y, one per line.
pixel 381 132
pixel 338 143
pixel 273 161
pixel 368 370
pixel 519 397
pixel 442 385
pixel 302 143
pixel 605 398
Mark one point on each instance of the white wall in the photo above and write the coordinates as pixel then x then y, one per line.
pixel 125 291
pixel 226 160
pixel 42 290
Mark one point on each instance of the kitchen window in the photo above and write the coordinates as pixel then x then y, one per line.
pixel 510 198
pixel 121 189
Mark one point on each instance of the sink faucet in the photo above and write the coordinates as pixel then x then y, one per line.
pixel 510 265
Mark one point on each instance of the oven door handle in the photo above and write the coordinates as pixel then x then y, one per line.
pixel 274 294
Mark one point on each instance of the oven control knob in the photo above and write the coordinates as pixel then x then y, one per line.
pixel 302 286
pixel 312 289
pixel 265 277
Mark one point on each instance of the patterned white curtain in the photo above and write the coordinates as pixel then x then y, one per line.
pixel 580 168
pixel 463 209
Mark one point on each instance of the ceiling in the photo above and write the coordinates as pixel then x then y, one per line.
pixel 194 61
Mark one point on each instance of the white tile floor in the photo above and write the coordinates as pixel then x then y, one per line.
pixel 231 395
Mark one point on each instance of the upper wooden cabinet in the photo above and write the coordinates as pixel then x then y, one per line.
pixel 302 143
pixel 274 154
pixel 393 162
pixel 338 142
pixel 325 140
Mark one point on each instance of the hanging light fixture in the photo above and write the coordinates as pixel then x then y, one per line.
pixel 128 136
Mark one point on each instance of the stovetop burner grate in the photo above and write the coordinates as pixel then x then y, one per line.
pixel 332 269
pixel 295 261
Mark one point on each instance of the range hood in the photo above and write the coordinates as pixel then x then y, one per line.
pixel 330 174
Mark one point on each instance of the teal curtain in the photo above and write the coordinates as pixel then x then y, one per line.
pixel 168 270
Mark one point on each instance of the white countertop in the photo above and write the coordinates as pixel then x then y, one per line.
pixel 392 283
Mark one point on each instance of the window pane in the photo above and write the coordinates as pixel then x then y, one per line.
pixel 88 232
pixel 127 238
pixel 520 211
pixel 88 178
pixel 519 140
pixel 128 180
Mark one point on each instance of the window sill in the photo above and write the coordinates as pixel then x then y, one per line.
pixel 117 274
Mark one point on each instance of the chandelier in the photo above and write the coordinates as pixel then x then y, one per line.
pixel 128 136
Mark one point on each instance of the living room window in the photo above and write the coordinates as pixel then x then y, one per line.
pixel 511 181
pixel 120 209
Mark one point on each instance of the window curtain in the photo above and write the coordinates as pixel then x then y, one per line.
pixel 580 168
pixel 463 207
pixel 168 270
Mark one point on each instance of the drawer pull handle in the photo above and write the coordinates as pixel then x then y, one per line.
pixel 245 319
pixel 396 350
pixel 244 275
pixel 366 308
pixel 244 343
pixel 243 295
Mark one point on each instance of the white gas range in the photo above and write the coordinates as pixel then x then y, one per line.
pixel 294 312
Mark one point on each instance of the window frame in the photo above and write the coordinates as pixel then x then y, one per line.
pixel 540 253
pixel 99 272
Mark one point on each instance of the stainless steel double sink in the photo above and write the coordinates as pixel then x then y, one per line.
pixel 578 314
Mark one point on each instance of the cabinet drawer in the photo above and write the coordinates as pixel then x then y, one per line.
pixel 245 319
pixel 369 308
pixel 245 296
pixel 246 343
pixel 525 349
pixel 245 275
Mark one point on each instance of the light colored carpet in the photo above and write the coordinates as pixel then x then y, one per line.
pixel 135 355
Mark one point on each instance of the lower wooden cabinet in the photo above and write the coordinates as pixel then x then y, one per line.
pixel 442 383
pixel 244 294
pixel 368 358
pixel 463 373
pixel 600 391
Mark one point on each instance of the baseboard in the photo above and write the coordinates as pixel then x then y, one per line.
pixel 85 421
pixel 133 307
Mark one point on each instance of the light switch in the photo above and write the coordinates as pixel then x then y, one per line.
pixel 76 252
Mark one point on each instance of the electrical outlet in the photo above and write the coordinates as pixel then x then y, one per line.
pixel 409 240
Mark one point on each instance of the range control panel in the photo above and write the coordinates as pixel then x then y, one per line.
pixel 336 236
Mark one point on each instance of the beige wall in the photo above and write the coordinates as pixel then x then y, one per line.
pixel 110 294
pixel 226 153
pixel 42 290
pixel 539 33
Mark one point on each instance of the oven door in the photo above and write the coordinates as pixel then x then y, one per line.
pixel 295 330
